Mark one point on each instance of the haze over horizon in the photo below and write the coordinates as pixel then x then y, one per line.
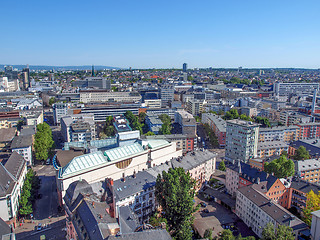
pixel 144 34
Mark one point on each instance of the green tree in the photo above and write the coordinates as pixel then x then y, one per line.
pixel 150 133
pixel 222 166
pixel 226 235
pixel 142 117
pixel 43 142
pixel 264 121
pixel 52 101
pixel 282 232
pixel 312 204
pixel 175 191
pixel 268 233
pixel 245 117
pixel 208 234
pixel 301 154
pixel 166 126
pixel 281 167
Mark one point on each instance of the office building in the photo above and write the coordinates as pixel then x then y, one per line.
pixel 315 225
pixel 100 96
pixel 187 122
pixel 291 118
pixel 302 88
pixel 184 67
pixel 195 106
pixel 241 140
pixel 153 122
pixel 167 94
pixel 152 103
pixel 26 78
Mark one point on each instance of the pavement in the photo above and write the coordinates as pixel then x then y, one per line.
pixel 45 210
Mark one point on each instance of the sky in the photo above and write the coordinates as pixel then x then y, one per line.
pixel 161 34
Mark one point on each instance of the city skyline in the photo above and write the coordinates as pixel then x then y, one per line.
pixel 153 35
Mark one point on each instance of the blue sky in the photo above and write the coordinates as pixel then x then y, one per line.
pixel 161 34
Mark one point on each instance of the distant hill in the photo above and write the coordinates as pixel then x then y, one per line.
pixel 59 68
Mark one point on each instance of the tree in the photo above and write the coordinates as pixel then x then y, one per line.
pixel 166 126
pixel 208 234
pixel 226 235
pixel 245 117
pixel 282 232
pixel 281 167
pixel 268 232
pixel 52 101
pixel 142 117
pixel 43 142
pixel 312 204
pixel 264 121
pixel 150 133
pixel 175 191
pixel 222 166
pixel 301 154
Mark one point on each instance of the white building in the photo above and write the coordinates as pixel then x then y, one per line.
pixel 302 88
pixel 153 103
pixel 59 110
pixel 241 140
pixel 22 144
pixel 257 210
pixel 315 225
pixel 89 96
pixel 12 175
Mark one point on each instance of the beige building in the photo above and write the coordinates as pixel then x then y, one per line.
pixel 281 133
pixel 89 96
pixel 195 106
pixel 153 103
pixel 271 148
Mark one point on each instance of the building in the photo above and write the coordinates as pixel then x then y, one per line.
pixel 4 123
pixel 309 130
pixel 113 163
pixel 241 140
pixel 311 145
pixel 154 123
pixel 167 94
pixel 184 67
pixel 187 122
pixel 59 110
pixel 100 96
pixel 271 148
pixel 195 106
pixel 6 136
pixel 308 170
pixel 291 118
pixel 293 88
pixel 257 210
pixel 281 133
pixel 22 144
pixel 26 78
pixel 152 103
pixel 250 112
pixel 13 173
pixel 121 124
pixel 218 125
pixel 315 225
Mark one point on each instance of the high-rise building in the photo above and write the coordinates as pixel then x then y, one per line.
pixel 92 72
pixel 11 73
pixel 241 140
pixel 167 94
pixel 26 78
pixel 195 106
pixel 184 67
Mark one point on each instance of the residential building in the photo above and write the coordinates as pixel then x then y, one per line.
pixel 309 130
pixel 167 94
pixel 59 110
pixel 291 88
pixel 218 125
pixel 99 96
pixel 22 144
pixel 6 136
pixel 281 133
pixel 308 170
pixel 187 123
pixel 315 225
pixel 311 145
pixel 257 210
pixel 195 106
pixel 241 140
pixel 250 112
pixel 13 173
pixel 32 117
pixel 291 118
pixel 271 148
pixel 154 123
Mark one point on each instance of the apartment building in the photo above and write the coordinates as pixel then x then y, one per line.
pixel 59 110
pixel 309 130
pixel 271 148
pixel 154 123
pixel 257 210
pixel 187 122
pixel 281 133
pixel 241 140
pixel 311 145
pixel 291 88
pixel 195 106
pixel 22 144
pixel 167 94
pixel 98 96
pixel 218 125
pixel 308 170
pixel 291 118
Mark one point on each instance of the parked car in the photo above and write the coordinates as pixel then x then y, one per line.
pixel 39 227
pixel 205 210
pixel 203 204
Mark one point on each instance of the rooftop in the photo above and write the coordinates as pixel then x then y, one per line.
pixel 21 141
pixel 218 121
pixel 306 165
pixel 272 144
pixel 242 123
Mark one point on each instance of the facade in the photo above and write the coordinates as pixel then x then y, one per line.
pixel 218 125
pixel 285 134
pixel 309 130
pixel 257 210
pixel 195 106
pixel 153 103
pixel 167 94
pixel 12 177
pixel 98 96
pixel 315 225
pixel 249 111
pixel 291 118
pixel 59 110
pixel 271 148
pixel 286 89
pixel 184 67
pixel 308 170
pixel 154 123
pixel 241 140
pixel 22 144
pixel 114 163
pixel 187 123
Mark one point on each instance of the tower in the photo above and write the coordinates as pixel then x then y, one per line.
pixel 314 100
pixel 184 67
pixel 26 77
pixel 92 71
